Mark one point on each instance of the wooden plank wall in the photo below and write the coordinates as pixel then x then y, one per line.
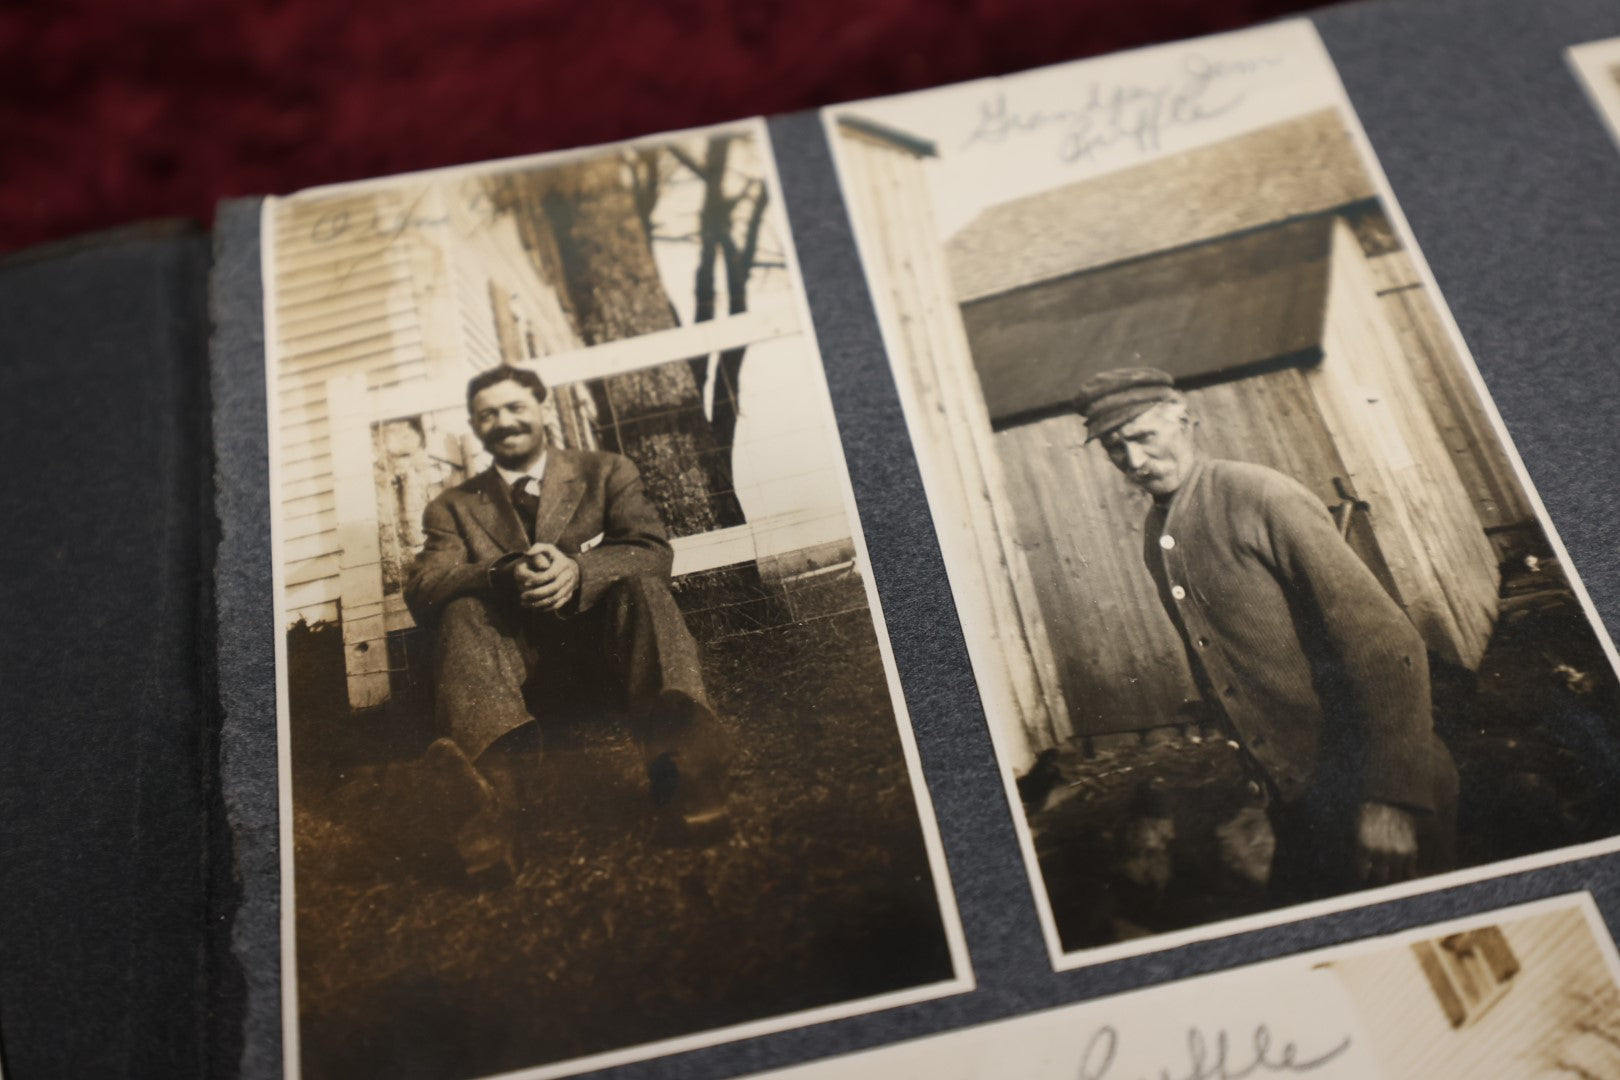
pixel 994 590
pixel 1562 981
pixel 1448 391
pixel 1079 523
pixel 1080 526
pixel 1429 532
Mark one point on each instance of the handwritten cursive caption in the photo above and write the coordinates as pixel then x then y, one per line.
pixel 389 225
pixel 1215 1058
pixel 342 223
pixel 1135 115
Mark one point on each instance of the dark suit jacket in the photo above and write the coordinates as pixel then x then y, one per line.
pixel 591 506
pixel 1295 639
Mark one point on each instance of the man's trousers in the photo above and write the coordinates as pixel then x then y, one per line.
pixel 499 669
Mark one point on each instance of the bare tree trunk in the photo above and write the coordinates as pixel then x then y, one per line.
pixel 586 233
pixel 739 267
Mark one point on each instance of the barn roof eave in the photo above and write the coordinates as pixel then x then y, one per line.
pixel 911 144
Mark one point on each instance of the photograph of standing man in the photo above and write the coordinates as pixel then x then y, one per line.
pixel 1307 662
pixel 545 579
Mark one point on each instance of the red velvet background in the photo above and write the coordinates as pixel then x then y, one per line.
pixel 111 112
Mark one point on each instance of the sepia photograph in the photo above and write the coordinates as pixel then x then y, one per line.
pixel 1266 617
pixel 1597 65
pixel 592 744
pixel 1525 993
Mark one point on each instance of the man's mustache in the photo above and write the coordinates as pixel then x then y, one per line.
pixel 501 433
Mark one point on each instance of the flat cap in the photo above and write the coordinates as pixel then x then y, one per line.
pixel 1112 399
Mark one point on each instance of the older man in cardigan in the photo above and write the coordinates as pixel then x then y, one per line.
pixel 1317 672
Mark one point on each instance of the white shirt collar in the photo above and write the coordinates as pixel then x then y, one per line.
pixel 537 470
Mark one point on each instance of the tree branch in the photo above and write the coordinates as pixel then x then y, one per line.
pixel 686 159
pixel 756 219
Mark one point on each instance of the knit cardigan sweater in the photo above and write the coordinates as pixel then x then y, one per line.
pixel 1289 633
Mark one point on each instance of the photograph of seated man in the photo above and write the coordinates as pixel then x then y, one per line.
pixel 545 575
pixel 592 737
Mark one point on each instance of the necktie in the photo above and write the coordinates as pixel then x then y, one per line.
pixel 527 503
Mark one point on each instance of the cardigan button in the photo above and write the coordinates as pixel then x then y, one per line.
pixel 1167 541
pixel 1178 592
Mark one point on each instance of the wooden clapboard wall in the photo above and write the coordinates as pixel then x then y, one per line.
pixel 1080 526
pixel 387 302
pixel 1429 534
pixel 377 292
pixel 995 592
pixel 1562 986
pixel 344 303
pixel 1449 392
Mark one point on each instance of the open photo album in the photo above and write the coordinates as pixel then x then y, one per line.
pixel 1106 571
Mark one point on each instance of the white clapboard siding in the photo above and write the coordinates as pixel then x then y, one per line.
pixel 398 309
pixel 311 451
pixel 308 546
pixel 308 525
pixel 1562 981
pixel 344 305
pixel 371 328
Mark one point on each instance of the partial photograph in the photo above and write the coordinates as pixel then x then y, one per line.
pixel 592 743
pixel 1597 64
pixel 1262 608
pixel 1525 993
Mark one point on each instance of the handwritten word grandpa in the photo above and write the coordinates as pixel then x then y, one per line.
pixel 1135 115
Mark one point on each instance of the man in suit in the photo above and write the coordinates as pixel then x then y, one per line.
pixel 545 580
pixel 1316 672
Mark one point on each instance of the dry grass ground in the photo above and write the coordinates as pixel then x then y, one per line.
pixel 610 938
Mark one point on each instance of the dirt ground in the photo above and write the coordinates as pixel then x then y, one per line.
pixel 609 937
pixel 1145 834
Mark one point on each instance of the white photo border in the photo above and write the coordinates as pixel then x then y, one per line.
pixel 1595 64
pixel 963 979
pixel 882 1060
pixel 1296 34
